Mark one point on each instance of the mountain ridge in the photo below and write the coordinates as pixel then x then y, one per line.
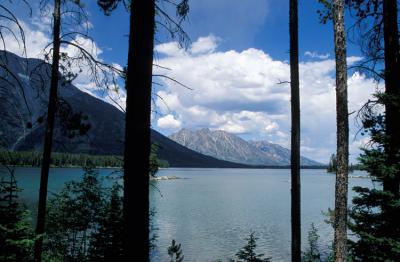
pixel 226 146
pixel 107 122
pixel 105 137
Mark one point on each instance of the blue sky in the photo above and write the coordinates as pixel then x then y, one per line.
pixel 261 24
pixel 238 54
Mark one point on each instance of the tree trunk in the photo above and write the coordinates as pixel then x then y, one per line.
pixel 137 131
pixel 295 136
pixel 41 217
pixel 392 83
pixel 341 187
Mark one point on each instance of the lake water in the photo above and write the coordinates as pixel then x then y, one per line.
pixel 212 211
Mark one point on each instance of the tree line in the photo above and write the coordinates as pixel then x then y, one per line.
pixel 34 159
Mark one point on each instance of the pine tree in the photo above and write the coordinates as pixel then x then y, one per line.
pixel 106 244
pixel 175 252
pixel 376 211
pixel 73 215
pixel 16 234
pixel 332 166
pixel 248 252
pixel 312 254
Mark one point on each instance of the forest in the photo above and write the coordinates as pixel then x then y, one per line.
pixel 34 159
pixel 90 221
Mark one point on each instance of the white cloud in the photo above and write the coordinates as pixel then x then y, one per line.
pixel 204 45
pixel 239 92
pixel 38 38
pixel 35 41
pixel 170 49
pixel 314 54
pixel 169 122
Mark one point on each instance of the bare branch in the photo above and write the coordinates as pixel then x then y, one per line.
pixel 173 80
pixel 280 82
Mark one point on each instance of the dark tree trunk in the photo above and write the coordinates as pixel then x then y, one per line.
pixel 341 187
pixel 295 136
pixel 137 131
pixel 41 217
pixel 392 83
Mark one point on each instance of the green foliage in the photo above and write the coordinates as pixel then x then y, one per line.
pixel 85 222
pixel 73 216
pixel 325 13
pixel 153 229
pixel 367 31
pixel 332 166
pixel 154 162
pixel 375 221
pixel 175 252
pixel 375 214
pixel 34 159
pixel 312 254
pixel 248 252
pixel 106 243
pixel 16 234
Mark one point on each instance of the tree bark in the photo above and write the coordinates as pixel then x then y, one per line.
pixel 341 187
pixel 41 217
pixel 295 135
pixel 392 85
pixel 137 131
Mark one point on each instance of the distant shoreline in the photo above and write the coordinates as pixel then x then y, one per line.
pixel 97 167
pixel 69 160
pixel 249 167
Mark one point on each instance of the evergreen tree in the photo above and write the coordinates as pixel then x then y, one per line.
pixel 153 229
pixel 16 234
pixel 106 243
pixel 376 212
pixel 248 252
pixel 68 23
pixel 332 166
pixel 175 252
pixel 73 216
pixel 154 162
pixel 312 254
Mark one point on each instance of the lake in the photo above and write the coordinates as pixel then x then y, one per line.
pixel 212 211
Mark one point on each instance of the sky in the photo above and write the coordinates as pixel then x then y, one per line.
pixel 231 70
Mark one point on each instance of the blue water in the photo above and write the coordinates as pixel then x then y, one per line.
pixel 29 180
pixel 212 211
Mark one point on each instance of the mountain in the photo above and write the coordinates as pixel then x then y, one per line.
pixel 24 96
pixel 222 145
pixel 180 156
pixel 280 153
pixel 229 147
